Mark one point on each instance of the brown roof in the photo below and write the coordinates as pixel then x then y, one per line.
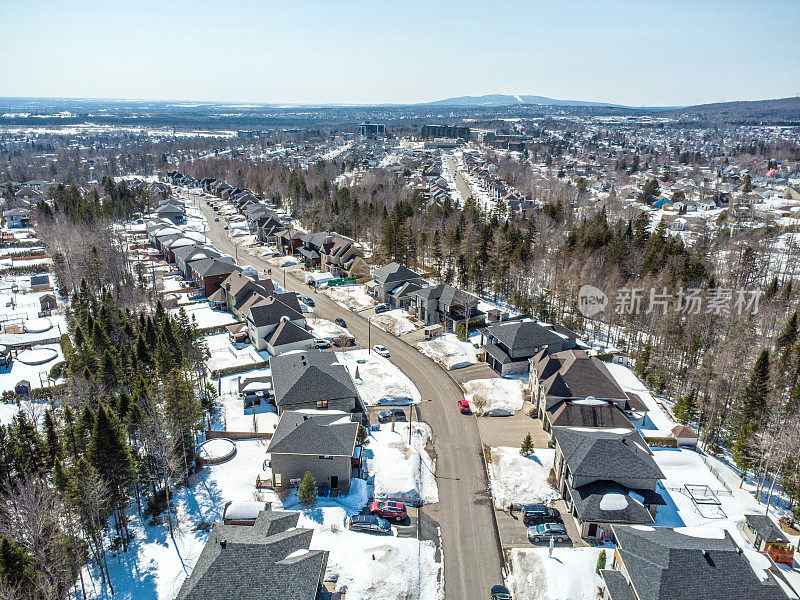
pixel 683 431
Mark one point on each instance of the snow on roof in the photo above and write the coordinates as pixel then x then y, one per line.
pixel 613 501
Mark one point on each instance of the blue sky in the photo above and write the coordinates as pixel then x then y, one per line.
pixel 644 52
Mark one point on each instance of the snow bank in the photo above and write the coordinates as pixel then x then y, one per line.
pixel 379 381
pixel 402 472
pixel 449 351
pixel 396 322
pixel 352 297
pixel 204 315
pixel 568 575
pixel 494 397
pixel 521 479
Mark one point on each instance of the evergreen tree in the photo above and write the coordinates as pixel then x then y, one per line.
pixel 601 562
pixel 685 410
pixel 184 412
pixel 51 439
pixel 527 445
pixel 307 491
pixel 752 406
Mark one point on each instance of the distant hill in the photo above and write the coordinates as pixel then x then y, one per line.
pixel 782 109
pixel 511 100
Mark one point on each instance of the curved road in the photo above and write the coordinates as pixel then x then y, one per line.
pixel 472 563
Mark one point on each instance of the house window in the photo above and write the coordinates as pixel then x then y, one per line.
pixel 277 478
pixel 322 404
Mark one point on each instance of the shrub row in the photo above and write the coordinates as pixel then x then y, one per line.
pixel 217 373
pixel 662 442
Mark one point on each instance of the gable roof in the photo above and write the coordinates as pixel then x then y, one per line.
pixel 529 335
pixel 601 414
pixel 288 333
pixel 664 564
pixel 269 311
pixel 269 560
pixel 209 267
pixel 304 377
pixel 394 273
pixel 575 374
pixel 603 454
pixel 327 433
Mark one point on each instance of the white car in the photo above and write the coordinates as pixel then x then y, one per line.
pixel 381 350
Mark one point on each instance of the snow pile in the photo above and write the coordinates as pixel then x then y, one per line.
pixel 521 479
pixel 402 472
pixel 379 381
pixel 395 322
pixel 352 297
pixel 568 575
pixel 324 329
pixel 283 261
pixel 628 381
pixel 494 397
pixel 449 351
pixel 205 316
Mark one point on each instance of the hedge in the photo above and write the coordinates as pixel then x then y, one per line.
pixel 217 373
pixel 214 329
pixel 661 442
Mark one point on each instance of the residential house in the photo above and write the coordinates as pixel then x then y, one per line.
pixel 661 563
pixel 444 305
pixel 17 218
pixel 186 255
pixel 390 283
pixel 41 282
pixel 172 211
pixel 264 316
pixel 288 336
pixel 606 477
pixel 313 379
pixel 268 560
pixel 289 241
pixel 321 443
pixel 209 273
pixel 761 531
pixel 570 388
pixel 239 292
pixel 510 345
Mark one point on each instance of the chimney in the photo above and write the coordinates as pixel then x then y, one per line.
pixel 223 544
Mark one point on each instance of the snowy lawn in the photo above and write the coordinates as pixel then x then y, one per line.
pixel 352 297
pixel 396 322
pixel 35 374
pixel 379 381
pixel 232 415
pixel 450 352
pixel 521 479
pixel 568 575
pixel 494 397
pixel 324 329
pixel 400 471
pixel 656 418
pixel 205 316
pixel 225 354
pixel 283 261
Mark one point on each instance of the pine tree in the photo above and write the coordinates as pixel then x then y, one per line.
pixel 184 412
pixel 51 439
pixel 685 410
pixel 752 406
pixel 527 445
pixel 307 491
pixel 28 447
pixel 601 562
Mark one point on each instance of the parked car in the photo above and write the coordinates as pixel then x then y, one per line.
pixel 381 308
pixel 370 524
pixel 386 415
pixel 321 343
pixel 381 350
pixel 216 219
pixel 308 300
pixel 340 322
pixel 546 531
pixel 463 406
pixel 226 227
pixel 536 514
pixel 389 509
pixel 500 592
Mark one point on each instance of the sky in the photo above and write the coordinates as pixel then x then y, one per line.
pixel 638 53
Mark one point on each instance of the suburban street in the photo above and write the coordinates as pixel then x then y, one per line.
pixel 464 514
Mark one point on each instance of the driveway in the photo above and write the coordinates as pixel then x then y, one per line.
pixel 472 562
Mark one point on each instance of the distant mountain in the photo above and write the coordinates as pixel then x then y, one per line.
pixel 782 109
pixel 511 100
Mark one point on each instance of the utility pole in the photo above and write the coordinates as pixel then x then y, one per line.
pixel 410 423
pixel 369 335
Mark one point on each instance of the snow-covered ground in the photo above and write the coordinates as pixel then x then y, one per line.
pixel 396 322
pixel 379 381
pixel 351 297
pixel 324 329
pixel 37 375
pixel 401 471
pixel 521 479
pixel 495 397
pixel 206 316
pixel 225 354
pixel 233 416
pixel 449 351
pixel 569 574
pixel 657 422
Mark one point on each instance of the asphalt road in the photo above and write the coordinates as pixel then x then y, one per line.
pixel 464 513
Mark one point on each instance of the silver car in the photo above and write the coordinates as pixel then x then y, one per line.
pixel 547 531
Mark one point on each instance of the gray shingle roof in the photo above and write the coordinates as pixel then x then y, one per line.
pixel 288 333
pixel 766 528
pixel 574 374
pixel 575 414
pixel 329 433
pixel 601 454
pixel 525 335
pixel 270 311
pixel 664 564
pixel 303 377
pixel 589 505
pixel 269 560
pixel 394 272
pixel 209 267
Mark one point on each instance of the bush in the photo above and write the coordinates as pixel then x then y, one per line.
pixel 662 442
pixel 57 370
pixel 217 373
pixel 601 562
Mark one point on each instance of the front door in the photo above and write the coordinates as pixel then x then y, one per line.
pixel 334 482
pixel 592 530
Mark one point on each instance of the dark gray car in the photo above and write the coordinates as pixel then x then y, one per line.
pixel 370 524
pixel 546 531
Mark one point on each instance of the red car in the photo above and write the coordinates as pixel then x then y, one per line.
pixel 389 510
pixel 463 406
